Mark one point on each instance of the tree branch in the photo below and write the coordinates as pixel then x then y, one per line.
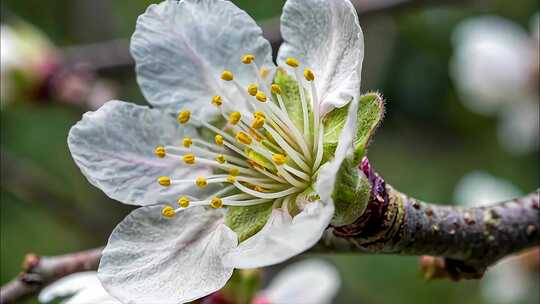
pixel 468 240
pixel 115 53
pixel 39 271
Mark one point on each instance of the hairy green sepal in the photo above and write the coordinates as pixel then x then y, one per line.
pixel 370 114
pixel 248 220
pixel 351 194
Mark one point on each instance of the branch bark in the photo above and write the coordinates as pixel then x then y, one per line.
pixel 466 240
pixel 39 271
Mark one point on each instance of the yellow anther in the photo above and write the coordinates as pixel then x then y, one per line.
pixel 218 139
pixel 258 122
pixel 234 171
pixel 260 96
pixel 276 89
pixel 259 188
pixel 255 134
pixel 279 159
pixel 184 116
pixel 216 202
pixel 189 158
pixel 248 58
pixel 234 118
pixel 231 179
pixel 252 89
pixel 217 101
pixel 243 138
pixel 183 202
pixel 164 181
pixel 258 114
pixel 201 182
pixel 221 159
pixel 168 211
pixel 227 75
pixel 293 62
pixel 308 74
pixel 187 142
pixel 264 72
pixel 160 151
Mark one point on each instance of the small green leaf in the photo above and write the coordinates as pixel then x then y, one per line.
pixel 248 220
pixel 351 194
pixel 370 114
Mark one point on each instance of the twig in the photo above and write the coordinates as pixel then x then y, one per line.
pixel 38 271
pixel 468 240
pixel 17 173
pixel 115 53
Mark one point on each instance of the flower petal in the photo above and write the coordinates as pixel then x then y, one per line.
pixel 182 47
pixel 479 188
pixel 83 287
pixel 308 282
pixel 114 146
pixel 326 37
pixel 152 259
pixel 492 63
pixel 282 237
pixel 324 185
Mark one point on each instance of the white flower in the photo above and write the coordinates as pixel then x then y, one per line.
pixel 511 281
pixel 243 144
pixel 305 282
pixel 78 288
pixel 26 55
pixel 495 69
pixel 479 188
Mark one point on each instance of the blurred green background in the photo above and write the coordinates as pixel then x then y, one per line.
pixel 427 142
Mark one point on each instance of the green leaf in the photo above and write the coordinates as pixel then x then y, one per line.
pixel 248 220
pixel 370 114
pixel 351 194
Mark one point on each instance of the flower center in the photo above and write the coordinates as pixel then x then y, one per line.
pixel 263 153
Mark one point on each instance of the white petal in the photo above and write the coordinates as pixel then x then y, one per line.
pixel 479 188
pixel 84 286
pixel 326 37
pixel 492 63
pixel 509 281
pixel 152 259
pixel 92 296
pixel 324 185
pixel 282 237
pixel 114 148
pixel 306 282
pixel 518 127
pixel 182 47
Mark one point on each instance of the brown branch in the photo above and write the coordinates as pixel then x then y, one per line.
pixel 468 240
pixel 38 271
pixel 115 53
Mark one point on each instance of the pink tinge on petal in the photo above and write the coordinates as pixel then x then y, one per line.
pixel 261 300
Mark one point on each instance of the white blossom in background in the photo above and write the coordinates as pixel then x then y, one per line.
pixel 508 281
pixel 495 69
pixel 78 288
pixel 306 282
pixel 204 65
pixel 480 188
pixel 26 54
